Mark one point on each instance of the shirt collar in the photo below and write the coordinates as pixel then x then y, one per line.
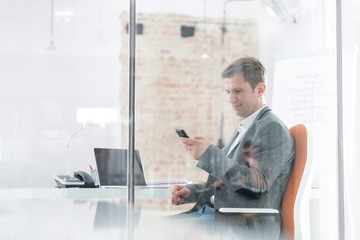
pixel 245 123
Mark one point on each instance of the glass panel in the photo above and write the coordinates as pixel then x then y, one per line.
pixel 351 42
pixel 303 55
pixel 181 52
pixel 180 55
pixel 64 91
pixel 59 69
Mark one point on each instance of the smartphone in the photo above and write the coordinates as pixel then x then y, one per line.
pixel 182 133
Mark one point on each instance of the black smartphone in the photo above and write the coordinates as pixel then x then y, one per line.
pixel 182 133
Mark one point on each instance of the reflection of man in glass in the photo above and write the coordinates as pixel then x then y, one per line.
pixel 253 169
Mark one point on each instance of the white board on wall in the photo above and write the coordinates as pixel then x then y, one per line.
pixel 305 92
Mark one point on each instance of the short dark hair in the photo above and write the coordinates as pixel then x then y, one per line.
pixel 250 68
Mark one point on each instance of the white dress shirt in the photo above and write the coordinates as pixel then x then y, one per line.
pixel 242 126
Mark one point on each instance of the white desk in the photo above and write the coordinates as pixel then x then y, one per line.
pixel 96 214
pixel 87 214
pixel 83 193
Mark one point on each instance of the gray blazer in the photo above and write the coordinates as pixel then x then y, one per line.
pixel 255 174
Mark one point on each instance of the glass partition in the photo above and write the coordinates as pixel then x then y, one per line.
pixel 181 51
pixel 64 91
pixel 60 69
pixel 350 81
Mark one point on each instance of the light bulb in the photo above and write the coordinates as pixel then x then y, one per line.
pixel 205 54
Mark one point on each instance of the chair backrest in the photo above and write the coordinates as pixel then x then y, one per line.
pixel 300 136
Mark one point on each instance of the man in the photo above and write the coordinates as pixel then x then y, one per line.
pixel 253 169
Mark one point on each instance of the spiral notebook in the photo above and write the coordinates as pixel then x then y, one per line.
pixel 111 166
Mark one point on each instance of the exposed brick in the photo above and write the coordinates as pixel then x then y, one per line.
pixel 177 89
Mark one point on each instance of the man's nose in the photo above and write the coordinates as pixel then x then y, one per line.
pixel 232 98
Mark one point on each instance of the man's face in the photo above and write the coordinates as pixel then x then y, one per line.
pixel 243 99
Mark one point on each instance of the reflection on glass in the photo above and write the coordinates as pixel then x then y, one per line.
pixel 43 92
pixel 110 215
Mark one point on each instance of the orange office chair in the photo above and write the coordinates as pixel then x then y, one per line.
pixel 294 190
pixel 298 183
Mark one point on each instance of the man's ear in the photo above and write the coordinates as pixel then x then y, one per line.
pixel 261 88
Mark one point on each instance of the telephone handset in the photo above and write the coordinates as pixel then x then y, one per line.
pixel 80 179
pixel 85 177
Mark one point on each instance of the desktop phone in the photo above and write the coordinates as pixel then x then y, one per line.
pixel 80 179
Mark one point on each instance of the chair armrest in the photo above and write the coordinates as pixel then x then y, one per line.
pixel 261 211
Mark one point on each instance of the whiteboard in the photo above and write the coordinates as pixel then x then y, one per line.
pixel 305 92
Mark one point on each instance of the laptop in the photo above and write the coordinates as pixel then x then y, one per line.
pixel 111 164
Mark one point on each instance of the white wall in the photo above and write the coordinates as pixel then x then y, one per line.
pixel 41 89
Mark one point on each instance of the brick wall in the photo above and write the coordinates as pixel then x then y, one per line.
pixel 175 88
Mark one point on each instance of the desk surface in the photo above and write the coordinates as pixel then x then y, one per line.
pixel 87 214
pixel 74 219
pixel 83 193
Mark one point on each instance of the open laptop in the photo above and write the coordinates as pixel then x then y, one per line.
pixel 111 165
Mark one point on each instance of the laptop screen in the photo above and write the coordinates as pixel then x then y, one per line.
pixel 112 167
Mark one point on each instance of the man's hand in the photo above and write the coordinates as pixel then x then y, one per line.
pixel 195 146
pixel 179 194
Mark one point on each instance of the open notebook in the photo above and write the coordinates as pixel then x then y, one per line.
pixel 111 165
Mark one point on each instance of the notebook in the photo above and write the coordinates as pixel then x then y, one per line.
pixel 111 165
